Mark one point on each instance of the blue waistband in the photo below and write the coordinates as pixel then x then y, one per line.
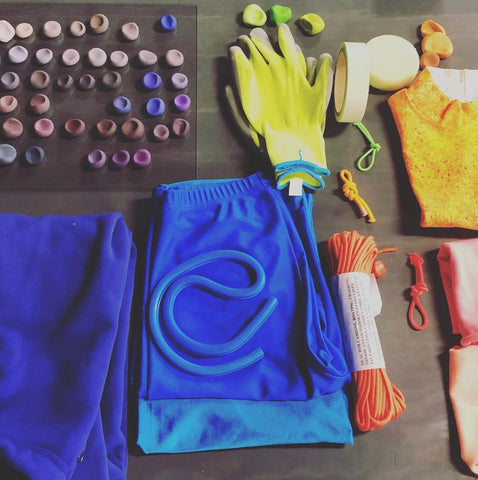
pixel 195 192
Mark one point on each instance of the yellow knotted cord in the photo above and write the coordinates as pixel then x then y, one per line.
pixel 351 193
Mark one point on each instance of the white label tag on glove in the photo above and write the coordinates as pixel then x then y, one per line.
pixel 357 302
pixel 295 187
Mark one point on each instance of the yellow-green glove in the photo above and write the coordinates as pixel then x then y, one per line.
pixel 236 110
pixel 284 106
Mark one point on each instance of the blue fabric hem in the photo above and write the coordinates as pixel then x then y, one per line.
pixel 189 425
pixel 38 463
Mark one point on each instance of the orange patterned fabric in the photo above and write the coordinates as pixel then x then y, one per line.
pixel 440 148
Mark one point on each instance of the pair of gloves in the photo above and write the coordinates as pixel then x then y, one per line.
pixel 283 102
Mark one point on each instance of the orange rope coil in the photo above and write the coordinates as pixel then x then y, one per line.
pixel 377 400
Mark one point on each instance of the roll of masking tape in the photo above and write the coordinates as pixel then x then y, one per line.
pixel 351 83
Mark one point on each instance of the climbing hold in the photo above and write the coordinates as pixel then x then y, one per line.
pixel 279 14
pixel 254 16
pixel 311 23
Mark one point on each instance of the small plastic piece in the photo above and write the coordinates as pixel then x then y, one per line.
pixel 160 133
pixel 86 82
pixel 8 154
pixel 147 58
pixel 142 158
pixel 96 159
pixel 64 82
pixel 379 269
pixel 111 80
pixel 8 103
pixel 12 128
pixel 120 158
pixel 121 105
pixel 43 128
pixel 17 54
pixel 34 155
pixel 132 128
pixel 168 23
pixel 429 59
pixel 130 31
pixel 254 16
pixel 151 80
pixel 430 26
pixel 39 104
pixel 43 56
pixel 180 127
pixel 39 79
pixel 10 80
pixel 74 127
pixel 279 14
pixel 24 30
pixel 438 43
pixel 311 23
pixel 7 32
pixel 155 106
pixel 179 81
pixel 99 23
pixel 174 58
pixel 52 29
pixel 106 128
pixel 70 57
pixel 97 57
pixel 182 102
pixel 77 28
pixel 119 59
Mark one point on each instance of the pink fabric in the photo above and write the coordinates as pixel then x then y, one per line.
pixel 458 263
pixel 464 394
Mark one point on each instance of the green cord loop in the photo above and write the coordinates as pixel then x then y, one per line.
pixel 374 148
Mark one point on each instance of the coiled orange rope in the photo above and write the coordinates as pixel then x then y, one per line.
pixel 377 400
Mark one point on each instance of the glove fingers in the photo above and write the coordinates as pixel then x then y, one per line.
pixel 323 85
pixel 302 60
pixel 236 111
pixel 240 117
pixel 311 69
pixel 256 58
pixel 261 34
pixel 262 42
pixel 243 72
pixel 289 48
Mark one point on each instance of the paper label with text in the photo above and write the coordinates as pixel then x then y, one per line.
pixel 362 343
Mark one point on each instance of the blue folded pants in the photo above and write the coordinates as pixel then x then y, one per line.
pixel 239 343
pixel 65 287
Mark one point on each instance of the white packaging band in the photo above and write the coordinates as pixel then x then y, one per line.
pixel 362 343
pixel 351 82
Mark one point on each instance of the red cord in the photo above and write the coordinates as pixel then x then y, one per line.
pixel 415 292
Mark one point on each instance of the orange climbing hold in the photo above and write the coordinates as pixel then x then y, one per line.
pixel 429 59
pixel 430 26
pixel 438 43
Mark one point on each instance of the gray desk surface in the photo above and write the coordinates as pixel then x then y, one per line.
pixel 422 443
